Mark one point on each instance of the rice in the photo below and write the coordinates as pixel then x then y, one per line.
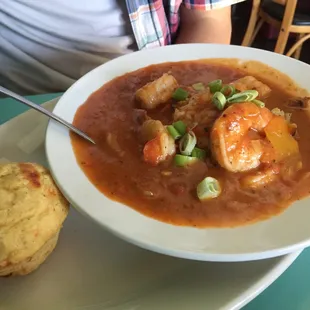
pixel 198 111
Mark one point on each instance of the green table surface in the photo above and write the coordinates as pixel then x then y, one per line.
pixel 291 291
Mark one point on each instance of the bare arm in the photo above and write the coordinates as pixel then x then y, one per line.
pixel 212 26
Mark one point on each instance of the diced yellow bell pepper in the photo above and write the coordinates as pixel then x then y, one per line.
pixel 277 132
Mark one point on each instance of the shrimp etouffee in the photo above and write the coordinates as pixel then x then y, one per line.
pixel 208 143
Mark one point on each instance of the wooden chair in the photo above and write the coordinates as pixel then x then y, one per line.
pixel 281 14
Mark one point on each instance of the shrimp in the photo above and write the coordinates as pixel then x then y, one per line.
pixel 250 82
pixel 246 135
pixel 234 145
pixel 159 149
pixel 157 92
pixel 150 129
pixel 268 173
pixel 261 177
pixel 159 144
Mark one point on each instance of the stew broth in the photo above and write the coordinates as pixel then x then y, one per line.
pixel 166 192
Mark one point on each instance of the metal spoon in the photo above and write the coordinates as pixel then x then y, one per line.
pixel 45 112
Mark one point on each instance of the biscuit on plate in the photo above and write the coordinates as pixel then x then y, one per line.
pixel 32 211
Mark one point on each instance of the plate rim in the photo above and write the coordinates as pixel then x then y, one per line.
pixel 264 282
pixel 257 286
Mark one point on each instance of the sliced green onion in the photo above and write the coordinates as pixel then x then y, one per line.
pixel 173 132
pixel 199 153
pixel 215 86
pixel 183 160
pixel 259 103
pixel 198 86
pixel 180 127
pixel 228 90
pixel 180 94
pixel 245 96
pixel 219 100
pixel 208 188
pixel 187 143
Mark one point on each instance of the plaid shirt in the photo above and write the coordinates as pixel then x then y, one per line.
pixel 155 22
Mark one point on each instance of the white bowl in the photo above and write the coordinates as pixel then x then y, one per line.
pixel 276 236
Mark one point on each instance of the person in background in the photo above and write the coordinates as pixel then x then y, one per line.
pixel 46 45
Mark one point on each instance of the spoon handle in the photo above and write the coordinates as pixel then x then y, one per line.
pixel 45 112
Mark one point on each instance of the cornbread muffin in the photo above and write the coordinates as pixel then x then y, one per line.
pixel 32 211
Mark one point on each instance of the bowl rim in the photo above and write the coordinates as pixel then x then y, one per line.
pixel 54 133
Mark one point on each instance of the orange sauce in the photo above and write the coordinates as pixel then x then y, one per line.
pixel 127 178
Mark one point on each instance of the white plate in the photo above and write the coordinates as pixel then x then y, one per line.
pixel 279 235
pixel 93 270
